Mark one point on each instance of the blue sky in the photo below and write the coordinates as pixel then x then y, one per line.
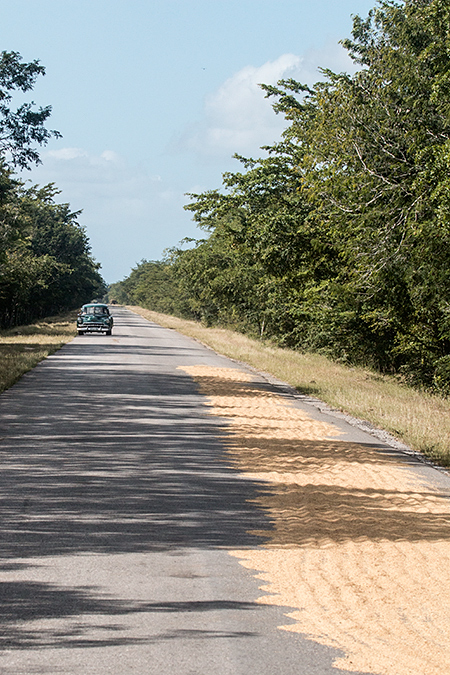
pixel 154 97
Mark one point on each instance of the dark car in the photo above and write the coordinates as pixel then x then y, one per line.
pixel 94 318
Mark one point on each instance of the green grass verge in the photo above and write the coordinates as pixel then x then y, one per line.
pixel 22 347
pixel 418 419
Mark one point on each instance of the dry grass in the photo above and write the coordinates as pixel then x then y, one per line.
pixel 418 419
pixel 22 347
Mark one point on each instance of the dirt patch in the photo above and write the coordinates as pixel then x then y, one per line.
pixel 359 549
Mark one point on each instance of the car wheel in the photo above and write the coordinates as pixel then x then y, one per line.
pixel 108 332
pixel 81 332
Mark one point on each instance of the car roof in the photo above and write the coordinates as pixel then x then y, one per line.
pixel 95 304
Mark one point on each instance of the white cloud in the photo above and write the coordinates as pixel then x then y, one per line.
pixel 238 117
pixel 110 156
pixel 239 104
pixel 67 153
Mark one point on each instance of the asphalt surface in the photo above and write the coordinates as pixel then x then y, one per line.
pixel 117 511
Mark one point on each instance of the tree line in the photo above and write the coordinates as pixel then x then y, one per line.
pixel 46 265
pixel 337 240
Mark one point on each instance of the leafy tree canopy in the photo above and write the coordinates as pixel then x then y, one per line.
pixel 45 259
pixel 338 240
pixel 23 127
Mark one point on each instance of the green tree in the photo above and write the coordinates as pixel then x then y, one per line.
pixel 281 255
pixel 374 163
pixel 54 231
pixel 150 285
pixel 23 127
pixel 339 240
pixel 45 261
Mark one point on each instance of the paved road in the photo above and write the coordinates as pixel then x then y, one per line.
pixel 117 512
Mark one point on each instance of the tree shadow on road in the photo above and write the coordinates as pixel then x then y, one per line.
pixel 25 602
pixel 115 460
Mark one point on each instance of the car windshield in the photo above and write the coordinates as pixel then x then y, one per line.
pixel 95 310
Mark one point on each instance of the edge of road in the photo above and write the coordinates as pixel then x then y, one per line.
pixel 362 425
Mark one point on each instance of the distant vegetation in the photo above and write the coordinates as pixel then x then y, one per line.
pixel 45 261
pixel 338 241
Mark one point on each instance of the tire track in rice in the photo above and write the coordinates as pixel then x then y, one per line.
pixel 360 548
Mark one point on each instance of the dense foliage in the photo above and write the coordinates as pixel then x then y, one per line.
pixel 45 261
pixel 150 283
pixel 338 240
